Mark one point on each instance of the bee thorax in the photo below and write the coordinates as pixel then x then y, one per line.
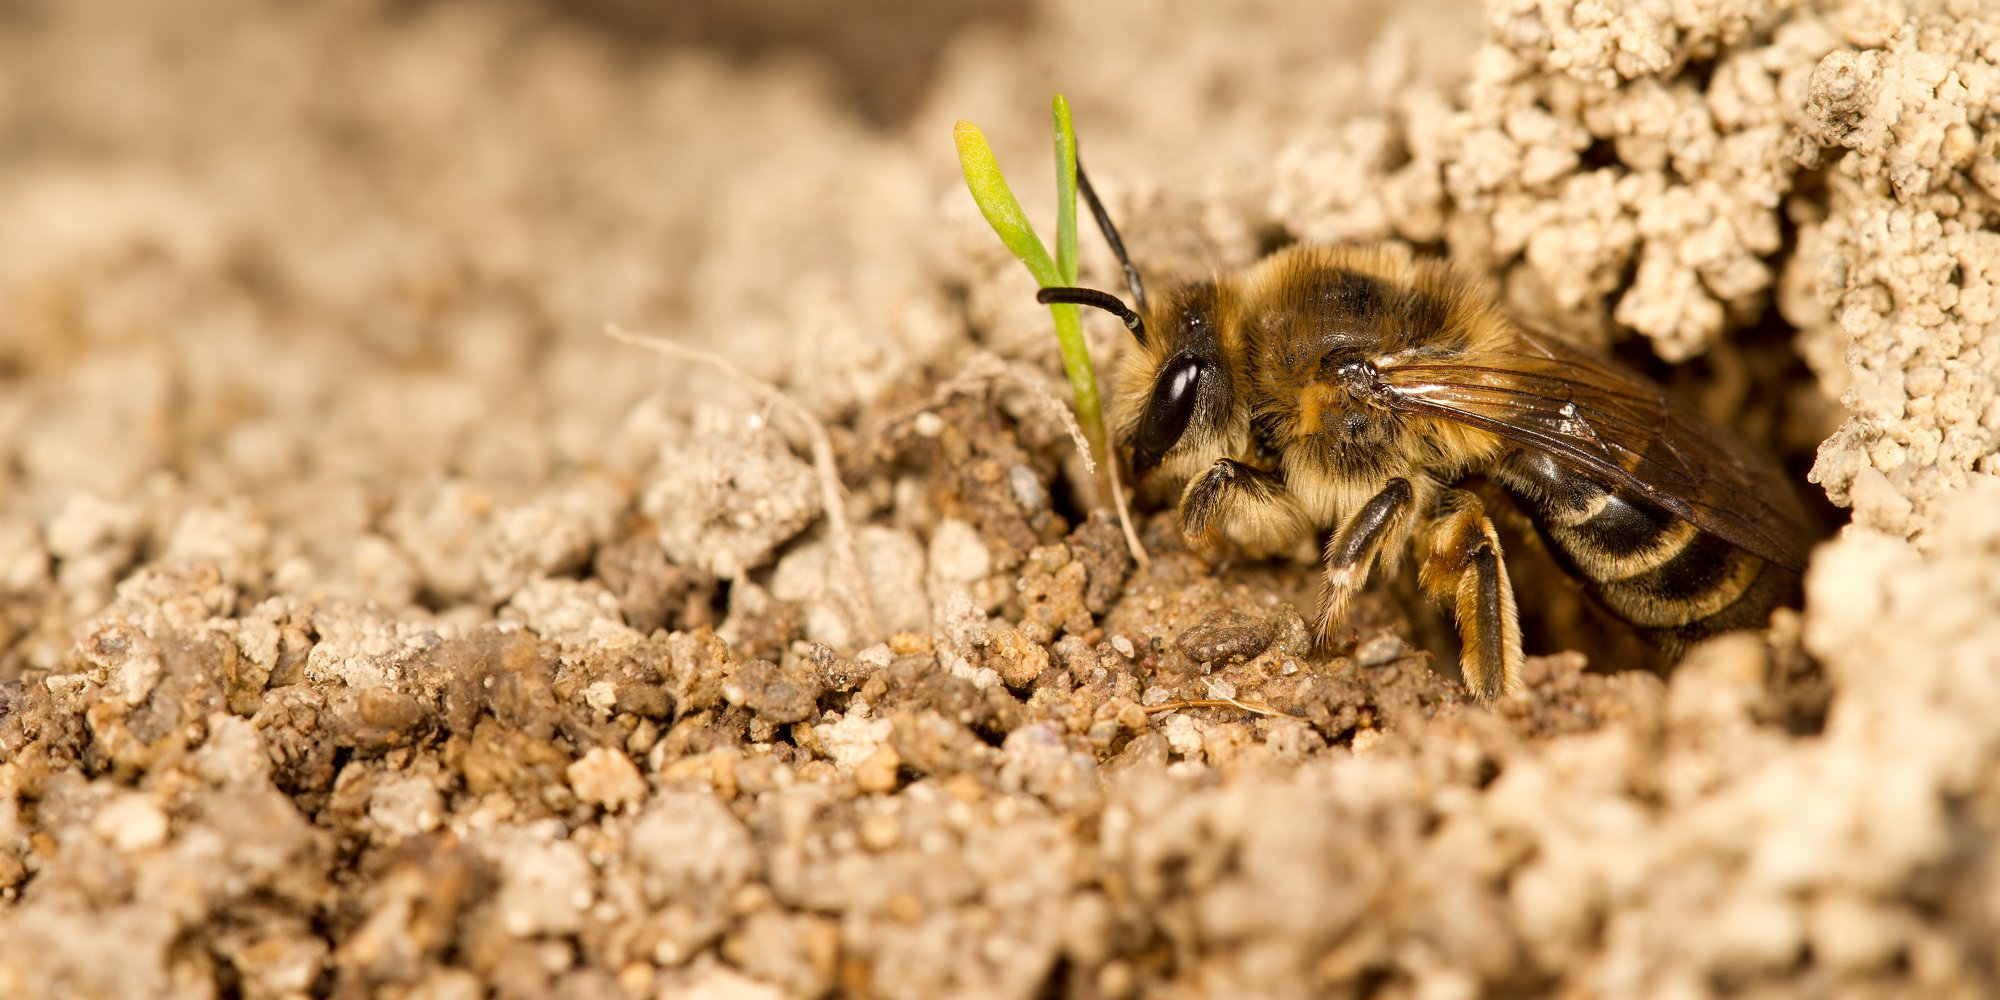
pixel 1359 377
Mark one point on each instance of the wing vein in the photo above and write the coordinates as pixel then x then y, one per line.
pixel 1604 420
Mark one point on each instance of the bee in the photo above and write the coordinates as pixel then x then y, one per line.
pixel 1344 392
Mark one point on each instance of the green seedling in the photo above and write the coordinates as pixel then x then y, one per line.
pixel 996 201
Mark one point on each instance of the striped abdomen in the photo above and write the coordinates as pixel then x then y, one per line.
pixel 1671 580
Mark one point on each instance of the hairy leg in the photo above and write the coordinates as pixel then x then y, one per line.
pixel 1374 534
pixel 1237 503
pixel 1465 574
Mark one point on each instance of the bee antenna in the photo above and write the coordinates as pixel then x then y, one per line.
pixel 1111 236
pixel 1097 300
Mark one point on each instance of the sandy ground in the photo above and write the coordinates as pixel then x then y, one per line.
pixel 373 626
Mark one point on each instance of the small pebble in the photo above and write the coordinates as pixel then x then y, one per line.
pixel 1183 735
pixel 1225 635
pixel 880 832
pixel 131 822
pixel 1131 717
pixel 1123 646
pixel 878 772
pixel 1017 660
pixel 1028 489
pixel 1379 650
pixel 1294 637
pixel 606 777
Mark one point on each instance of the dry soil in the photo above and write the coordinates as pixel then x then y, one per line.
pixel 371 625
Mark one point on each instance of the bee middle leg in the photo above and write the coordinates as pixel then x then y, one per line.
pixel 1465 574
pixel 1375 533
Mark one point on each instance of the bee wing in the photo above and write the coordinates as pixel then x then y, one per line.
pixel 1604 420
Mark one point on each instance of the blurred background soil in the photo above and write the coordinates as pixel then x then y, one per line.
pixel 373 625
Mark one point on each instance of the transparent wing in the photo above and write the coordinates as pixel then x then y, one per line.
pixel 1604 420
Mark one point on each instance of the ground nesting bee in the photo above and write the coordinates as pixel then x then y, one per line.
pixel 1348 392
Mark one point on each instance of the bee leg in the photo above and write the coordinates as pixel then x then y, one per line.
pixel 1241 503
pixel 1352 552
pixel 1466 575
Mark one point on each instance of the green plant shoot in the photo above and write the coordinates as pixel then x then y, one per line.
pixel 1065 194
pixel 996 201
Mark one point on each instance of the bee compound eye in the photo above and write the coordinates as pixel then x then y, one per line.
pixel 1168 411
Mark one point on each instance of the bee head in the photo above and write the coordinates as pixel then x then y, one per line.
pixel 1175 392
pixel 1174 398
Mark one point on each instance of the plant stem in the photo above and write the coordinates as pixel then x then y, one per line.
pixel 1003 212
pixel 1069 328
pixel 1066 263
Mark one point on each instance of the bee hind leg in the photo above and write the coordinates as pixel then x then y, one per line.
pixel 1465 574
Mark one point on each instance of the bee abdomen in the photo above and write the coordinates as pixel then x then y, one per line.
pixel 1647 566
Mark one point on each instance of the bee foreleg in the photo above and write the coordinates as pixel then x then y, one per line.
pixel 1353 551
pixel 1234 502
pixel 1465 574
